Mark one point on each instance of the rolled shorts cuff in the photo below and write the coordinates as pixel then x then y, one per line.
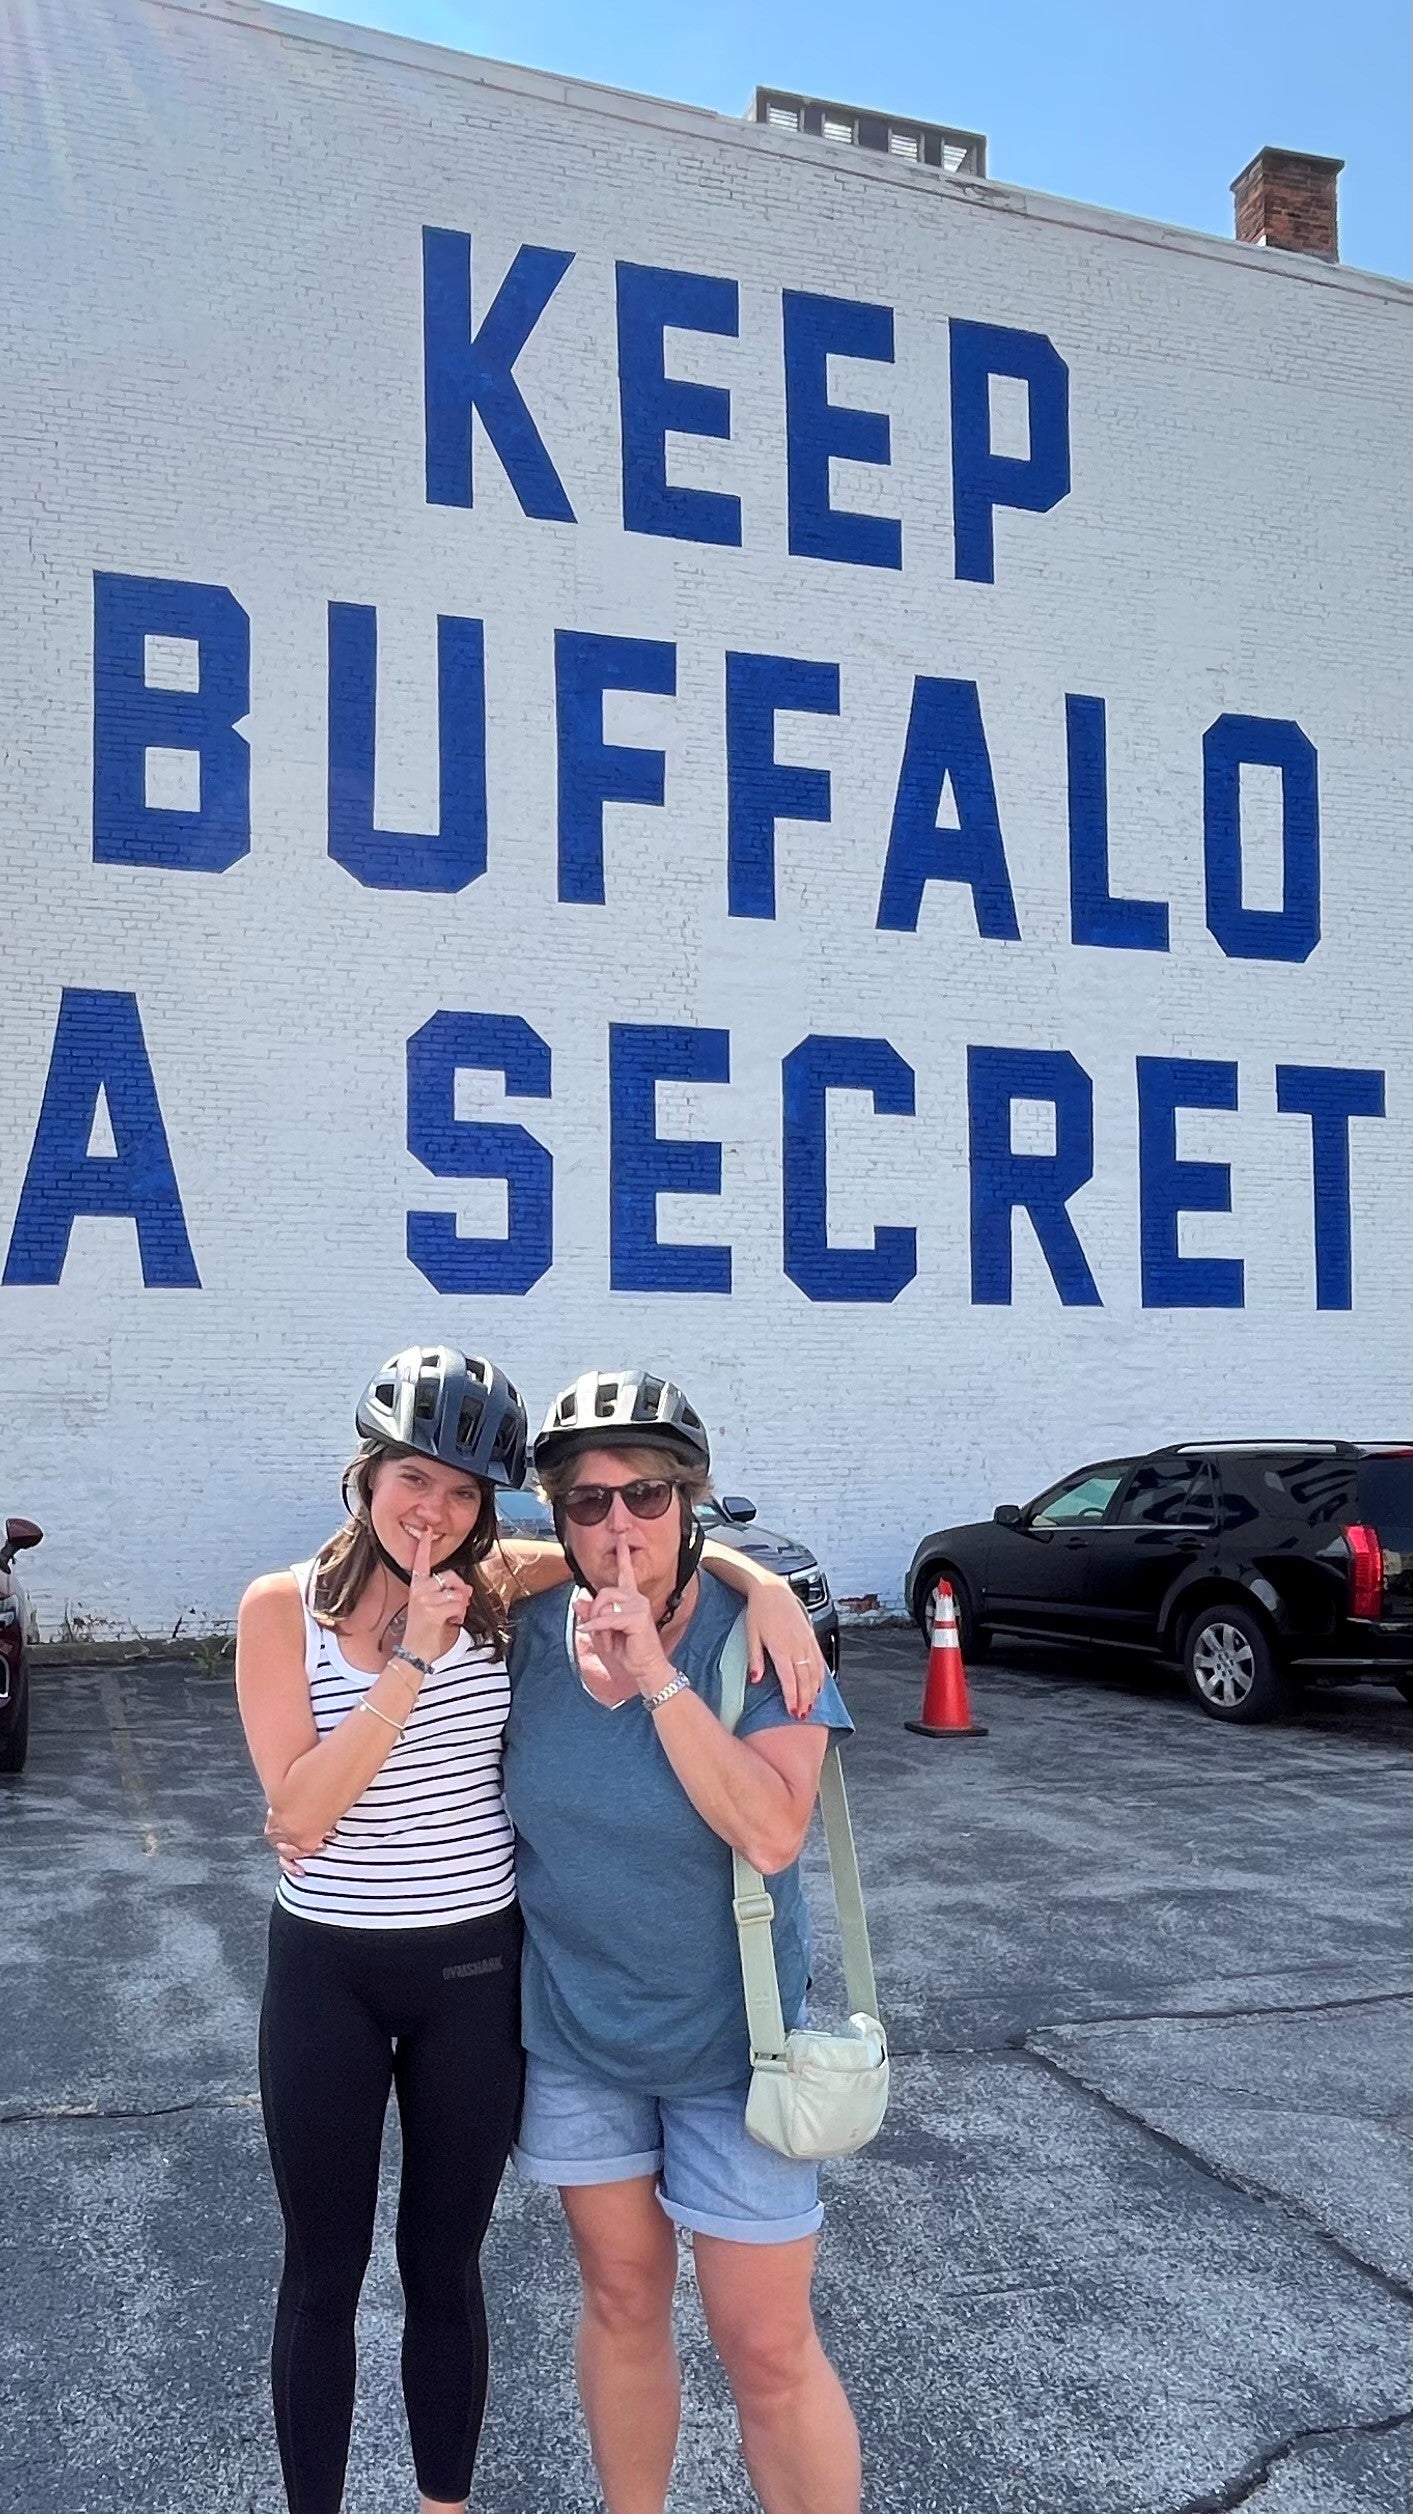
pixel 581 2173
pixel 744 2229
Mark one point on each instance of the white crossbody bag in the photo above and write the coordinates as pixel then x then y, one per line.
pixel 812 2094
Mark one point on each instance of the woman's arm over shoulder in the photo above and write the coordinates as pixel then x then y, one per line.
pixel 518 1567
pixel 272 1688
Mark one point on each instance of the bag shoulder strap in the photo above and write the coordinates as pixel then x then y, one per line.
pixel 755 1909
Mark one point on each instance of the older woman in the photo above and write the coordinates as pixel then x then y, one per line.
pixel 628 1795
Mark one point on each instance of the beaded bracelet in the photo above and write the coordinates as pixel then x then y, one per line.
pixel 423 1666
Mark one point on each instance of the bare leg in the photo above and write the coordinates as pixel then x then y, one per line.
pixel 629 2379
pixel 797 2429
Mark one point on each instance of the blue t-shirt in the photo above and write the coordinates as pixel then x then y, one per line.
pixel 632 1971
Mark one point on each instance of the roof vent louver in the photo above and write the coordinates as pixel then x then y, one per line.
pixel 932 144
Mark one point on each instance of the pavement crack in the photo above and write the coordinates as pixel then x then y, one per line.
pixel 1006 2045
pixel 1240 2490
pixel 127 2112
pixel 1223 2174
pixel 1221 2016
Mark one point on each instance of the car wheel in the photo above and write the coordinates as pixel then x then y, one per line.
pixel 1230 1663
pixel 14 1744
pixel 975 1640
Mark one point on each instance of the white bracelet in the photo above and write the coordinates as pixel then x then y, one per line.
pixel 386 1717
pixel 679 1684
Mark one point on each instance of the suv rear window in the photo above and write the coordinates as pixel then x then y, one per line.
pixel 1385 1498
pixel 1318 1488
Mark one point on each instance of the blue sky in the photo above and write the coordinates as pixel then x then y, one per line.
pixel 1135 107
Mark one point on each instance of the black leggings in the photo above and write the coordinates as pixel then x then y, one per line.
pixel 347 2015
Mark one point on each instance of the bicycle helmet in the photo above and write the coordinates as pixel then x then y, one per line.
pixel 451 1406
pixel 628 1409
pixel 621 1409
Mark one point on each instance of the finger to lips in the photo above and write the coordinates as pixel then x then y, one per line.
pixel 625 1564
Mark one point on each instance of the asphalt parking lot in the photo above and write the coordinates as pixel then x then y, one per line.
pixel 1135 2239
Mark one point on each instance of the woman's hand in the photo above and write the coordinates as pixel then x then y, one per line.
pixel 290 1853
pixel 619 1650
pixel 437 1604
pixel 778 1629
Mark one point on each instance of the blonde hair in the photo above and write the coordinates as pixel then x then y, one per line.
pixel 646 1459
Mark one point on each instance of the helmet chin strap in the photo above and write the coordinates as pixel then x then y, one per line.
pixel 688 1556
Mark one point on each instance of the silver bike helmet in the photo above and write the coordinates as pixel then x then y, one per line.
pixel 628 1409
pixel 620 1409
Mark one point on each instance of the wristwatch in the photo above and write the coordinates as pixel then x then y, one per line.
pixel 679 1684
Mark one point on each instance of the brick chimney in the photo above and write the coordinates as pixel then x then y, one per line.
pixel 1289 200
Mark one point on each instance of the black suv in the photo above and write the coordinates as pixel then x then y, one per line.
pixel 1256 1565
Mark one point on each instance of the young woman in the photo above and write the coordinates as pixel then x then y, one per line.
pixel 373 1689
pixel 628 1796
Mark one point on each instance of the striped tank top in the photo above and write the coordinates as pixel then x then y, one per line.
pixel 429 1841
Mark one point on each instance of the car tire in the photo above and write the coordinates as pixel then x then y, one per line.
pixel 14 1744
pixel 1404 1685
pixel 1230 1663
pixel 974 1638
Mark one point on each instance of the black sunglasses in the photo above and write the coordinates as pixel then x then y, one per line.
pixel 588 1505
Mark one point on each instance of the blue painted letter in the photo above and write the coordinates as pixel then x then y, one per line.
pixel 760 789
pixel 394 859
pixel 462 1147
pixel 654 405
pixel 810 1072
pixel 818 430
pixel 1330 1095
pixel 1039 1184
pixel 645 1165
pixel 981 480
pixel 1096 916
pixel 946 741
pixel 1168 1187
pixel 99 1049
pixel 131 718
pixel 466 371
pixel 1291 931
pixel 593 772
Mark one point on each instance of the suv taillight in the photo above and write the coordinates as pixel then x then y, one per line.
pixel 1366 1572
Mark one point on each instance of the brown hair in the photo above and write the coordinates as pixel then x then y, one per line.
pixel 646 1458
pixel 344 1567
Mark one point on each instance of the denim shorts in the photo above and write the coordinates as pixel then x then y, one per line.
pixel 713 2177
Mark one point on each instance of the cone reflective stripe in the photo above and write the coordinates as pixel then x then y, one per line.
pixel 946 1703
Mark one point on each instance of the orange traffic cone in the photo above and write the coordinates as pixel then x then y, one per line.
pixel 946 1704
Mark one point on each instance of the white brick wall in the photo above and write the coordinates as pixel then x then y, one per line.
pixel 210 369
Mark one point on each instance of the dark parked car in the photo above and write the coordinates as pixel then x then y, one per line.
pixel 730 1521
pixel 14 1660
pixel 1255 1565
